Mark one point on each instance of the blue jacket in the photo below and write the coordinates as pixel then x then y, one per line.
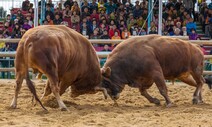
pixel 189 26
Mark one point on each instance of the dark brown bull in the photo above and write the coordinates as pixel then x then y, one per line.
pixel 142 61
pixel 64 56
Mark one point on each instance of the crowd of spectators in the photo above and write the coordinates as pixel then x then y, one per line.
pixel 112 19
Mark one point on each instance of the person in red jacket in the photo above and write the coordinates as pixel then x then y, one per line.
pixel 112 30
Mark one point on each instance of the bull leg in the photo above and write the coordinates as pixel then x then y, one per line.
pixel 19 81
pixel 190 81
pixel 160 83
pixel 148 97
pixel 197 75
pixel 47 90
pixel 54 84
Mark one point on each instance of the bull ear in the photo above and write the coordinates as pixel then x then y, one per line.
pixel 106 71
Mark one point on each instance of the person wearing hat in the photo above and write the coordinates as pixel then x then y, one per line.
pixel 136 4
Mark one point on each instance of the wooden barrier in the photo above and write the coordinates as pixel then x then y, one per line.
pixel 105 54
pixel 101 41
pixel 179 37
pixel 202 42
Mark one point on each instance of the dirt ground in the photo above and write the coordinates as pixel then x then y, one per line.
pixel 93 111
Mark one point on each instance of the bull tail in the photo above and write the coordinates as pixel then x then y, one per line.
pixel 33 90
pixel 29 83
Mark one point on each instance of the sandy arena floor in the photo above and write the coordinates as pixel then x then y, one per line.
pixel 93 111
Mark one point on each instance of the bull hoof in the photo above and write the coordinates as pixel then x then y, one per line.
pixel 64 109
pixel 195 101
pixel 170 105
pixel 13 106
pixel 156 101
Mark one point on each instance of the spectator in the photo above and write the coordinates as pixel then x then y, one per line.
pixel 84 30
pixel 170 28
pixel 125 34
pixel 110 7
pixel 95 15
pixel 106 48
pixel 2 44
pixel 76 8
pixel 85 12
pixel 144 4
pixel 6 48
pixel 16 33
pixel 93 6
pixel 45 22
pixel 145 13
pixel 8 19
pixel 20 21
pixel 69 3
pixel 177 32
pixel 75 19
pixel 105 35
pixel 153 30
pixel 25 5
pixel 101 6
pixel 190 25
pixel 112 31
pixel 57 20
pixel 15 22
pixel 165 33
pixel 94 25
pixel 141 22
pixel 13 15
pixel 184 31
pixel 128 7
pixel 26 26
pixel 193 35
pixel 142 32
pixel 20 15
pixel 49 11
pixel 85 5
pixel 49 20
pixel 169 4
pixel 178 5
pixel 95 35
pixel 59 12
pixel 102 29
pixel 29 19
pixel 112 16
pixel 116 36
pixel 7 30
pixel 137 11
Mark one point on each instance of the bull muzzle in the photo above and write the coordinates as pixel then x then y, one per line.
pixel 103 90
pixel 115 97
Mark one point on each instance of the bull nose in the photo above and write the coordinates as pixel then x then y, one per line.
pixel 115 97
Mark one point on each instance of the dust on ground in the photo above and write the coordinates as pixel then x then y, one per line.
pixel 94 111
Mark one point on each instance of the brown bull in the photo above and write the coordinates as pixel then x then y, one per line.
pixel 64 56
pixel 142 61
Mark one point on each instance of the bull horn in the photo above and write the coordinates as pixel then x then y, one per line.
pixel 104 91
